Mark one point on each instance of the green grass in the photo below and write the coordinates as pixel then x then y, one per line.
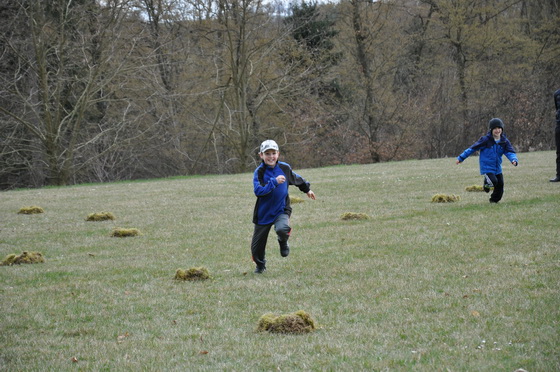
pixel 465 286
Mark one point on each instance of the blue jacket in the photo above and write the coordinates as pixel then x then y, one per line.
pixel 491 152
pixel 272 198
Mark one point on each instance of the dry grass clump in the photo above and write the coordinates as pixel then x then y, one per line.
pixel 194 273
pixel 119 232
pixel 101 216
pixel 444 198
pixel 31 210
pixel 295 323
pixel 474 188
pixel 354 216
pixel 296 199
pixel 24 258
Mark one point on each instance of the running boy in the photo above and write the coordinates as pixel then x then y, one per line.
pixel 492 146
pixel 270 182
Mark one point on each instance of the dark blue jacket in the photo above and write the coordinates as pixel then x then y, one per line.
pixel 272 198
pixel 491 152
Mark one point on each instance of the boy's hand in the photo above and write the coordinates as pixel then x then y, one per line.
pixel 280 179
pixel 514 163
pixel 311 194
pixel 458 162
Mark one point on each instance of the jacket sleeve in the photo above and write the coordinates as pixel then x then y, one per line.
pixel 475 147
pixel 465 154
pixel 295 179
pixel 301 183
pixel 261 188
pixel 510 153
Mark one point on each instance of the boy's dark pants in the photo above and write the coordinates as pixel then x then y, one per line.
pixel 557 139
pixel 260 237
pixel 498 182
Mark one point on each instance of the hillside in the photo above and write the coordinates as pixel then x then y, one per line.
pixel 419 286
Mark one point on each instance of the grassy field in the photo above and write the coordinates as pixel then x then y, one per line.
pixel 465 286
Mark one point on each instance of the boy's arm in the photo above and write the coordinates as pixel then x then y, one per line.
pixel 475 147
pixel 299 182
pixel 512 157
pixel 262 189
pixel 465 154
pixel 295 179
pixel 509 152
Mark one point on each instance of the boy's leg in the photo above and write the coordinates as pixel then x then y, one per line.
pixel 489 180
pixel 283 229
pixel 498 189
pixel 258 246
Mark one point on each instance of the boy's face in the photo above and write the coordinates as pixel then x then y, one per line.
pixel 270 157
pixel 496 132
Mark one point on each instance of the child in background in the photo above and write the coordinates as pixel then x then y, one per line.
pixel 270 183
pixel 492 146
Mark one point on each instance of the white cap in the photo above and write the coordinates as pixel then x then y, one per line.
pixel 269 145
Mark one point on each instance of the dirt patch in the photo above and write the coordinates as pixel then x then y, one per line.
pixel 444 198
pixel 354 216
pixel 296 323
pixel 101 216
pixel 31 210
pixel 24 258
pixel 123 233
pixel 194 273
pixel 474 188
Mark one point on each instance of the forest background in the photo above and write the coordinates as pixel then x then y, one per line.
pixel 96 91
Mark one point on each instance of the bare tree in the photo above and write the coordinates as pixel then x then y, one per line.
pixel 471 35
pixel 254 81
pixel 59 76
pixel 376 55
pixel 105 90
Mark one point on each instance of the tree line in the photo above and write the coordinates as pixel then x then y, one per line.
pixel 97 91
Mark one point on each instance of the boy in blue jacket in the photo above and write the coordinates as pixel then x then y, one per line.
pixel 270 182
pixel 492 146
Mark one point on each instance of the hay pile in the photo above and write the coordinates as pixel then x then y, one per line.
pixel 474 188
pixel 443 198
pixel 24 258
pixel 296 200
pixel 123 233
pixel 101 216
pixel 354 216
pixel 194 273
pixel 295 323
pixel 31 210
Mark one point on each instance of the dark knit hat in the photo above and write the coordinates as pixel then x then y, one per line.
pixel 495 123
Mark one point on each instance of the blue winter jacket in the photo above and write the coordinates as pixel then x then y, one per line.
pixel 491 152
pixel 272 198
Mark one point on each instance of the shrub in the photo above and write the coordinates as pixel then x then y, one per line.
pixel 31 210
pixel 24 258
pixel 194 273
pixel 296 323
pixel 354 216
pixel 101 216
pixel 122 233
pixel 443 198
pixel 474 188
